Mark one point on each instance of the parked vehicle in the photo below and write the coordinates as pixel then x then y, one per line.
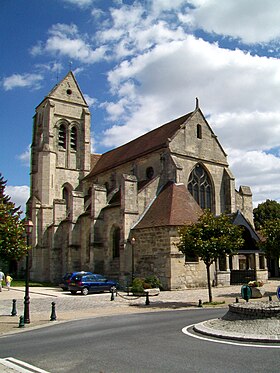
pixel 66 279
pixel 93 283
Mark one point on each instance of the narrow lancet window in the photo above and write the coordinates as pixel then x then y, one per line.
pixel 62 136
pixel 199 131
pixel 73 138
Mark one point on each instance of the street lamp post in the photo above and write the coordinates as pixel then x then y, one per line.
pixel 132 258
pixel 28 229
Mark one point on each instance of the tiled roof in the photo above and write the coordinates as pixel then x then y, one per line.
pixel 173 206
pixel 151 141
pixel 94 158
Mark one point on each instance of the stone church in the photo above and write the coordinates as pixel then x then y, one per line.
pixel 118 213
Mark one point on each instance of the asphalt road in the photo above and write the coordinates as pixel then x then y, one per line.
pixel 146 343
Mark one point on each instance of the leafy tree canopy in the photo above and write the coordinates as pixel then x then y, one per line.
pixel 210 238
pixel 12 240
pixel 267 210
pixel 271 233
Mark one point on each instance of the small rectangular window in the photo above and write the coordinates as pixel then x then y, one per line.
pixel 198 131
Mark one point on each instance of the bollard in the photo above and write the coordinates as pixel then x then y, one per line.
pixel 21 322
pixel 236 300
pixel 147 298
pixel 14 309
pixel 200 303
pixel 270 298
pixel 53 315
pixel 112 293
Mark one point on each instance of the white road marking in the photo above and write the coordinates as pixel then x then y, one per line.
pixel 20 366
pixel 185 331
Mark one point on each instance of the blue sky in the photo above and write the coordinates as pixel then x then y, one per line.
pixel 141 64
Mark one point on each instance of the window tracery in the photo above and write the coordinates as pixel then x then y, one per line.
pixel 199 185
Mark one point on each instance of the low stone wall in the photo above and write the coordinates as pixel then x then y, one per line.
pixel 254 310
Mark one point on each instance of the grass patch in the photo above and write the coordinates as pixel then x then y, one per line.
pixel 213 303
pixel 21 283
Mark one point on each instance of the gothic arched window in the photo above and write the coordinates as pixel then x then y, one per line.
pixel 199 185
pixel 73 138
pixel 62 136
pixel 116 242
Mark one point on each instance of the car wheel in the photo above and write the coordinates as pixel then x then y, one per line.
pixel 73 292
pixel 85 291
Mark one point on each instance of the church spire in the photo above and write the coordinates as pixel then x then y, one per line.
pixel 196 103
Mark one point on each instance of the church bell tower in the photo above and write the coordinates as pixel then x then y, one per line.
pixel 60 158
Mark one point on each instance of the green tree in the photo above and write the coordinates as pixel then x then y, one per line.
pixel 12 239
pixel 267 210
pixel 271 232
pixel 210 238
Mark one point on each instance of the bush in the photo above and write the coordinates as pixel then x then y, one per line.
pixel 153 281
pixel 140 284
pixel 137 285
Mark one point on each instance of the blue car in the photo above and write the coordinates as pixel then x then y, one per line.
pixel 67 278
pixel 93 283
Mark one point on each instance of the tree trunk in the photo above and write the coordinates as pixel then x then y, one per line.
pixel 209 282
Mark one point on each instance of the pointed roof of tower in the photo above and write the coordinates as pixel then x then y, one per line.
pixel 68 90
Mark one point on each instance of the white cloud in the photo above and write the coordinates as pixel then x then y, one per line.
pixel 74 48
pixel 65 41
pixel 19 195
pixel 158 7
pixel 226 82
pixel 90 100
pixel 97 13
pixel 259 170
pixel 22 80
pixel 80 3
pixel 252 130
pixel 133 29
pixel 54 67
pixel 25 157
pixel 253 21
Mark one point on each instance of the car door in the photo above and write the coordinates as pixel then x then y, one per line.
pixel 91 283
pixel 101 282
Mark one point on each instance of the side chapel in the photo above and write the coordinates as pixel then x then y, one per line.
pixel 118 213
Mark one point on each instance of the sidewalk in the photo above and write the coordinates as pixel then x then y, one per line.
pixel 73 307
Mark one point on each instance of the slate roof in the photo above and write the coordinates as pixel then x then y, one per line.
pixel 239 219
pixel 149 142
pixel 174 206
